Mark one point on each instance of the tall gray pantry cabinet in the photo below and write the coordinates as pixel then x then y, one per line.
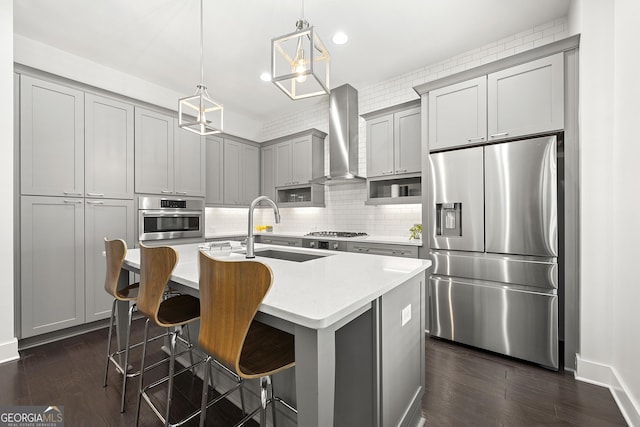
pixel 76 186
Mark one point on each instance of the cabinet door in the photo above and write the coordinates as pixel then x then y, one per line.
pixel 232 172
pixel 268 167
pixel 51 264
pixel 103 218
pixel 250 173
pixel 301 160
pixel 108 148
pixel 526 99
pixel 189 163
pixel 154 152
pixel 214 174
pixel 52 139
pixel 283 163
pixel 458 114
pixel 380 146
pixel 406 129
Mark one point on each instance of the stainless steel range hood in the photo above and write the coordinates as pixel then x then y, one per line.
pixel 343 137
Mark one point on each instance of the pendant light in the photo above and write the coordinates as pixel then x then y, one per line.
pixel 199 113
pixel 300 62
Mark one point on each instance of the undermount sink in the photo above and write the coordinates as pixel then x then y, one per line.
pixel 287 256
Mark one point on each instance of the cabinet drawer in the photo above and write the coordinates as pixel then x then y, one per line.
pixel 383 249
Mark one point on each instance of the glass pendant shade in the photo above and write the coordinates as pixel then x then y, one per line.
pixel 199 113
pixel 300 63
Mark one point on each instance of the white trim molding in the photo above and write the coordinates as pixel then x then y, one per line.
pixel 606 376
pixel 9 350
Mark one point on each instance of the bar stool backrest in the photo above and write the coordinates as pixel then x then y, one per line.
pixel 115 251
pixel 156 265
pixel 230 294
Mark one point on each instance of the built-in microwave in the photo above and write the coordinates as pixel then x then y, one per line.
pixel 166 218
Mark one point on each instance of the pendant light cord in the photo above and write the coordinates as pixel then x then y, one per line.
pixel 201 42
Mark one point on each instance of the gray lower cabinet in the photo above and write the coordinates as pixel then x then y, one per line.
pixel 280 240
pixel 62 265
pixel 108 148
pixel 407 251
pixel 52 138
pixel 51 264
pixel 103 218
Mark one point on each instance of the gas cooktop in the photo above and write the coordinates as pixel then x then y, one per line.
pixel 348 234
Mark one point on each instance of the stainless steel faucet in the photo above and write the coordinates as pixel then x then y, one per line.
pixel 251 240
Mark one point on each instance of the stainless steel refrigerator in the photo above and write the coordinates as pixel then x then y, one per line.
pixel 494 243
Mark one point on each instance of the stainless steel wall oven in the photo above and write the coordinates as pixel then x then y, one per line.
pixel 165 218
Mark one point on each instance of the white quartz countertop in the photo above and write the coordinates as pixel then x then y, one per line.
pixel 392 240
pixel 314 293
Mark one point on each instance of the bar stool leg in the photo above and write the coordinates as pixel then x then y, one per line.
pixel 172 361
pixel 205 389
pixel 272 400
pixel 125 367
pixel 193 369
pixel 106 368
pixel 144 353
pixel 264 396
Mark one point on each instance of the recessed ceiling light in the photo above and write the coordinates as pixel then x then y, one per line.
pixel 265 77
pixel 340 38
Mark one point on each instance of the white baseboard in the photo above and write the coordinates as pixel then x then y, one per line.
pixel 9 350
pixel 606 376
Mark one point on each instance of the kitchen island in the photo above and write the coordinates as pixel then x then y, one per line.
pixel 358 322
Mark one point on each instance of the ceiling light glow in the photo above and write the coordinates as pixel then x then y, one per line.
pixel 265 77
pixel 340 38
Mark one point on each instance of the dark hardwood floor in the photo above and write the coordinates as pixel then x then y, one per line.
pixel 465 387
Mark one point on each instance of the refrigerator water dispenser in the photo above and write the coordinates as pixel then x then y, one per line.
pixel 448 219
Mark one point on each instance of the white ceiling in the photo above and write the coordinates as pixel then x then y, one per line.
pixel 158 40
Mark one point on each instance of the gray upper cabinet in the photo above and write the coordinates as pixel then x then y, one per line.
pixel 283 164
pixel 526 99
pixel 52 138
pixel 51 264
pixel 250 174
pixel 214 173
pixel 406 128
pixel 393 141
pixel 294 161
pixel 189 163
pixel 458 114
pixel 154 152
pixel 522 100
pixel 268 168
pixel 380 146
pixel 108 148
pixel 103 218
pixel 232 172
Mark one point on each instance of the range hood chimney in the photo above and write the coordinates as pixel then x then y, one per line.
pixel 343 137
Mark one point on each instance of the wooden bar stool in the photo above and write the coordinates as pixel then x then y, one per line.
pixel 156 266
pixel 115 251
pixel 230 294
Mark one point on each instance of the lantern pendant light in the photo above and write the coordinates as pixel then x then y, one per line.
pixel 199 113
pixel 300 62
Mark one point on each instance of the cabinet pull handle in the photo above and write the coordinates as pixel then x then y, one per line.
pixel 71 193
pixel 496 135
pixel 95 194
pixel 477 138
pixel 401 170
pixel 72 201
pixel 165 191
pixel 95 202
pixel 181 192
